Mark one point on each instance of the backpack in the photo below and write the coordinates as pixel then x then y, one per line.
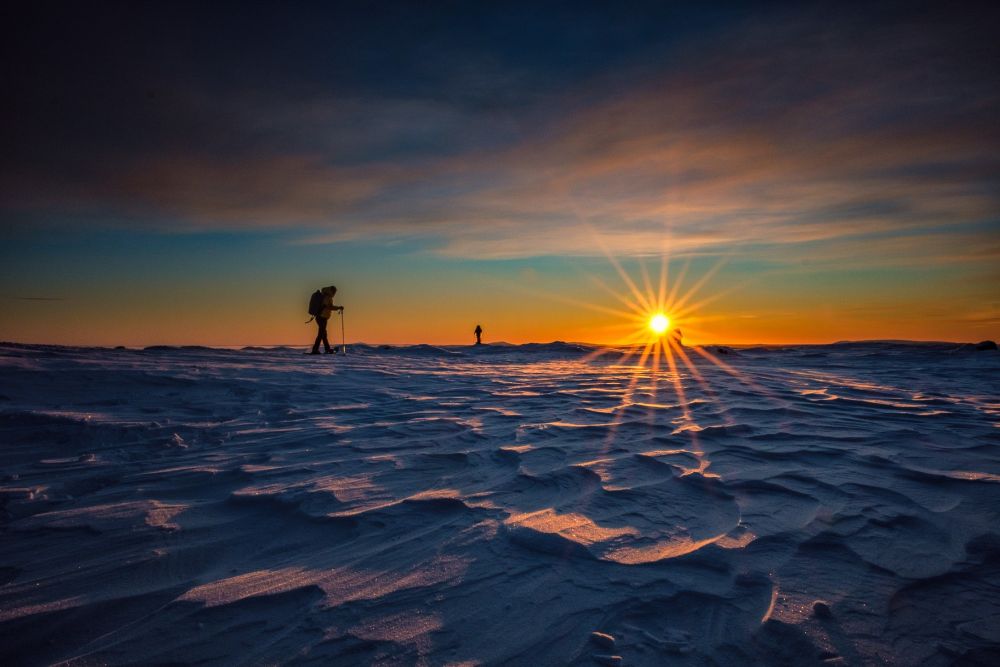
pixel 316 303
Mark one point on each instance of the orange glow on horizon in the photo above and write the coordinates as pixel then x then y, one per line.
pixel 523 308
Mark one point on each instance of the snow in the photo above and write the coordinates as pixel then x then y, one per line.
pixel 499 505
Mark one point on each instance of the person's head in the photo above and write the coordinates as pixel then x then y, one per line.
pixel 331 290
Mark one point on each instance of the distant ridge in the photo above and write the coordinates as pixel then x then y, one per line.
pixel 891 341
pixel 503 347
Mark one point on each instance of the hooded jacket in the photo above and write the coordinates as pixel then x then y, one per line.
pixel 327 310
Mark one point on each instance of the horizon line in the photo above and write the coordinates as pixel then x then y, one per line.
pixel 495 343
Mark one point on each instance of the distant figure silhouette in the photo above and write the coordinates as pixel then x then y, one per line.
pixel 677 336
pixel 324 309
pixel 479 335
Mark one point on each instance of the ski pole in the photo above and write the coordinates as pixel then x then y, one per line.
pixel 343 340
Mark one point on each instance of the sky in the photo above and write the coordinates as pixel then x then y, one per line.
pixel 176 173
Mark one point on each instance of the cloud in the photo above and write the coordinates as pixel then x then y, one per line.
pixel 37 298
pixel 846 137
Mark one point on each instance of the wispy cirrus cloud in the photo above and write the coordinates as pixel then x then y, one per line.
pixel 863 135
pixel 37 298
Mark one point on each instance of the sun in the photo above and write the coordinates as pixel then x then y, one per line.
pixel 659 323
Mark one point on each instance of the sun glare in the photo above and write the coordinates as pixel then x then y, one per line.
pixel 659 323
pixel 660 357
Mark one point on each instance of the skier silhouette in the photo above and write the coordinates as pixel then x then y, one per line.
pixel 325 310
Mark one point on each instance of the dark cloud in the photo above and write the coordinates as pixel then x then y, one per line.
pixel 37 298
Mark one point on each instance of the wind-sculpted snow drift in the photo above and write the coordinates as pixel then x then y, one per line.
pixel 497 505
